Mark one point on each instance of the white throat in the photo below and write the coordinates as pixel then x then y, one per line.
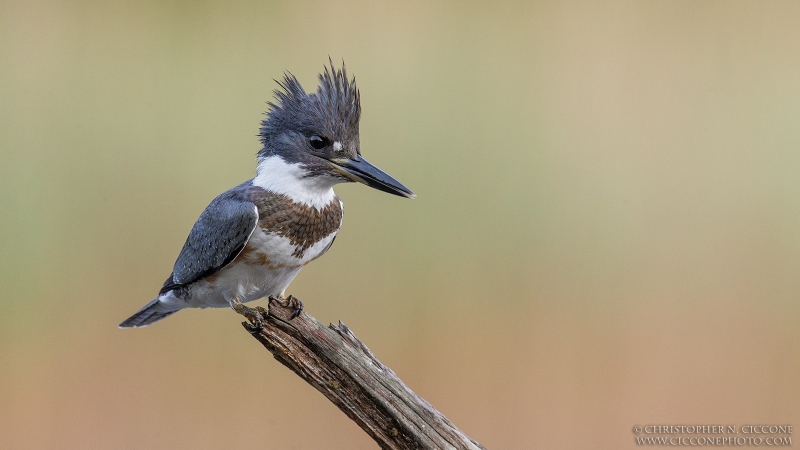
pixel 276 175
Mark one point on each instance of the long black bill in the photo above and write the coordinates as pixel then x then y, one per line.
pixel 363 171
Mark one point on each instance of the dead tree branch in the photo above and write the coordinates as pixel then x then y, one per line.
pixel 334 361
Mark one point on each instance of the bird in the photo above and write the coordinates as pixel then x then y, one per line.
pixel 251 241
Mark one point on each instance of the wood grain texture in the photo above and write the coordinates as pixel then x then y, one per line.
pixel 336 363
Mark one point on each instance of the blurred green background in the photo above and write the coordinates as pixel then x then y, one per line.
pixel 606 234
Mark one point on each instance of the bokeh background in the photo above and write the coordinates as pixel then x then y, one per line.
pixel 606 234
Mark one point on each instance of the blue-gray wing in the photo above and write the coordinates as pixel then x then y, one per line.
pixel 218 236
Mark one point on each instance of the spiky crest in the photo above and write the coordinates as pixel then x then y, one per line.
pixel 334 109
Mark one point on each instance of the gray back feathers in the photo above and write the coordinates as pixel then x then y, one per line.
pixel 218 236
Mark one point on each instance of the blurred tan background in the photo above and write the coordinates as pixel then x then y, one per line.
pixel 606 234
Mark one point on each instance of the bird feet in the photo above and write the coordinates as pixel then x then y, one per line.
pixel 254 315
pixel 291 301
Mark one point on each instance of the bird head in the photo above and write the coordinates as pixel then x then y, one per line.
pixel 318 132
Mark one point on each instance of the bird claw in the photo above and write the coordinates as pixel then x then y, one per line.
pixel 291 301
pixel 254 315
pixel 297 306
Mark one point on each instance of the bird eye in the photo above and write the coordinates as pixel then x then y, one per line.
pixel 317 142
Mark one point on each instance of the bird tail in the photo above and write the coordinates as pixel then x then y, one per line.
pixel 152 312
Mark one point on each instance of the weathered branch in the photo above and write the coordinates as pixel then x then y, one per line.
pixel 334 361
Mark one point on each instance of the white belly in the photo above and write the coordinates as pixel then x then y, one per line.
pixel 264 268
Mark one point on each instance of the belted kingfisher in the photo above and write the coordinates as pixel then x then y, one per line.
pixel 252 240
